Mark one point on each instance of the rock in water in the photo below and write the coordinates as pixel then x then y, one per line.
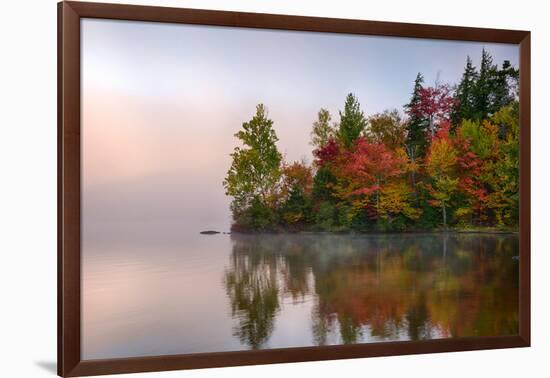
pixel 209 232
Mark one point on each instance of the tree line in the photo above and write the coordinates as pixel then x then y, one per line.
pixel 449 159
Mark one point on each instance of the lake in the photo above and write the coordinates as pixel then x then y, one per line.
pixel 179 293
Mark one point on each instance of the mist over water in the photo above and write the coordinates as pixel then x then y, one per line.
pixel 181 292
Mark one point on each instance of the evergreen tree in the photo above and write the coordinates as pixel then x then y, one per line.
pixel 495 88
pixel 352 121
pixel 323 181
pixel 296 209
pixel 503 88
pixel 417 127
pixel 484 87
pixel 464 95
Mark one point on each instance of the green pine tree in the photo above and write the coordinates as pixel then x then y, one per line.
pixel 465 95
pixel 504 87
pixel 416 141
pixel 484 87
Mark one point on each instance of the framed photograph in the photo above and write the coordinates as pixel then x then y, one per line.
pixel 240 188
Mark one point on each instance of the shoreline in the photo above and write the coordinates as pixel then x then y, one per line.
pixel 355 233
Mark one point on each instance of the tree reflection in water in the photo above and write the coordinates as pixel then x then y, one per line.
pixel 252 286
pixel 375 287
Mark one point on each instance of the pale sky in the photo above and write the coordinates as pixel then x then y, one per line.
pixel 161 102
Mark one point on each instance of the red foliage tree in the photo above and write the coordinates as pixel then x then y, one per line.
pixel 364 174
pixel 327 154
pixel 435 104
pixel 470 170
pixel 370 163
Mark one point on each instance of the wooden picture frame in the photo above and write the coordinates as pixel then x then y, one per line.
pixel 70 14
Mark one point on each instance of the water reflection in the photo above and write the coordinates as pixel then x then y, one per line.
pixel 375 287
pixel 168 293
pixel 254 295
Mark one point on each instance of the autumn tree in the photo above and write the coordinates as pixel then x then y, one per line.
pixel 482 137
pixel 327 161
pixel 395 201
pixel 322 129
pixel 494 186
pixel 296 189
pixel 387 128
pixel 255 167
pixel 441 165
pixel 328 154
pixel 296 175
pixel 367 168
pixel 435 105
pixel 504 175
pixel 352 121
pixel 470 172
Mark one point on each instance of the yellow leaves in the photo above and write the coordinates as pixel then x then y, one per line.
pixel 482 139
pixel 296 174
pixel 445 187
pixel 395 199
pixel 407 164
pixel 463 212
pixel 502 205
pixel 490 129
pixel 507 116
pixel 442 158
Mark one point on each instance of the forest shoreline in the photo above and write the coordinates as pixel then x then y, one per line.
pixel 449 160
pixel 373 232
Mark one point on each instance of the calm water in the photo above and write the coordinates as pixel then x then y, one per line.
pixel 194 293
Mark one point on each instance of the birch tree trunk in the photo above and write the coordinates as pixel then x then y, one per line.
pixel 444 214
